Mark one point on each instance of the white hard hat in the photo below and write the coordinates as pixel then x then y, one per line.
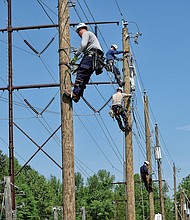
pixel 115 46
pixel 146 161
pixel 81 25
pixel 119 88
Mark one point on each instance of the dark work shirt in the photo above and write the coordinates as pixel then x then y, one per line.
pixel 110 55
pixel 144 170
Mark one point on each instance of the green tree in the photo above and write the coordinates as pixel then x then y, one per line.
pixel 80 194
pixel 120 202
pixel 39 193
pixel 100 196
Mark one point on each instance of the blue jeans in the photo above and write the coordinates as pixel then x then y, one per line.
pixel 84 73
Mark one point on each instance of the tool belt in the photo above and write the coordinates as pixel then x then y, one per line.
pixel 109 65
pixel 98 59
pixel 116 109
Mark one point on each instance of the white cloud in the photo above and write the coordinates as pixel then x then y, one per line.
pixel 185 128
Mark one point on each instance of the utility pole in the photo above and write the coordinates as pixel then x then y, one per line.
pixel 182 204
pixel 130 194
pixel 148 153
pixel 66 113
pixel 158 157
pixel 175 194
pixel 8 199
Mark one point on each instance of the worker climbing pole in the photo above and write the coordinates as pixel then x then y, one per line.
pixel 92 61
pixel 110 63
pixel 146 177
pixel 119 111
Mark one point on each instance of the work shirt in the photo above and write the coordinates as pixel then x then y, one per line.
pixel 117 98
pixel 144 170
pixel 110 55
pixel 89 41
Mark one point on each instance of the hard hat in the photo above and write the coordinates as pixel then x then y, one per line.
pixel 119 88
pixel 114 46
pixel 146 162
pixel 81 25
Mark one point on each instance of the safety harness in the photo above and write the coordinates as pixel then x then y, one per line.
pixel 98 59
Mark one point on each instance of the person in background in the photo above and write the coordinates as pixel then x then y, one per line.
pixel 145 176
pixel 92 61
pixel 110 63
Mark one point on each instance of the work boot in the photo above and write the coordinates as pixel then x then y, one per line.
pixel 72 95
pixel 123 129
pixel 121 84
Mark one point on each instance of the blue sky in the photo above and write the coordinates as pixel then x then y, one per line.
pixel 162 63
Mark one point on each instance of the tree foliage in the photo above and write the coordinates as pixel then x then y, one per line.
pixel 36 196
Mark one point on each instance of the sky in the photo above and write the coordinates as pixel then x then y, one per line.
pixel 162 67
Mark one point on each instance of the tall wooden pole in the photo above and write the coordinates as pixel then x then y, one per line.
pixel 182 204
pixel 66 114
pixel 148 152
pixel 130 194
pixel 160 175
pixel 175 194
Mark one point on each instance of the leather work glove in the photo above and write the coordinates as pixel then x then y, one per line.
pixel 74 60
pixel 126 51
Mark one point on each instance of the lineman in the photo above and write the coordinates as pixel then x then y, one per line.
pixel 145 176
pixel 92 61
pixel 119 110
pixel 110 58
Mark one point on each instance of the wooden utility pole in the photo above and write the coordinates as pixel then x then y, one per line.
pixel 148 152
pixel 182 204
pixel 175 195
pixel 130 194
pixel 66 114
pixel 158 157
pixel 8 199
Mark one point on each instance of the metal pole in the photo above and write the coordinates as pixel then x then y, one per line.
pixel 11 146
pixel 66 114
pixel 130 194
pixel 83 213
pixel 148 153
